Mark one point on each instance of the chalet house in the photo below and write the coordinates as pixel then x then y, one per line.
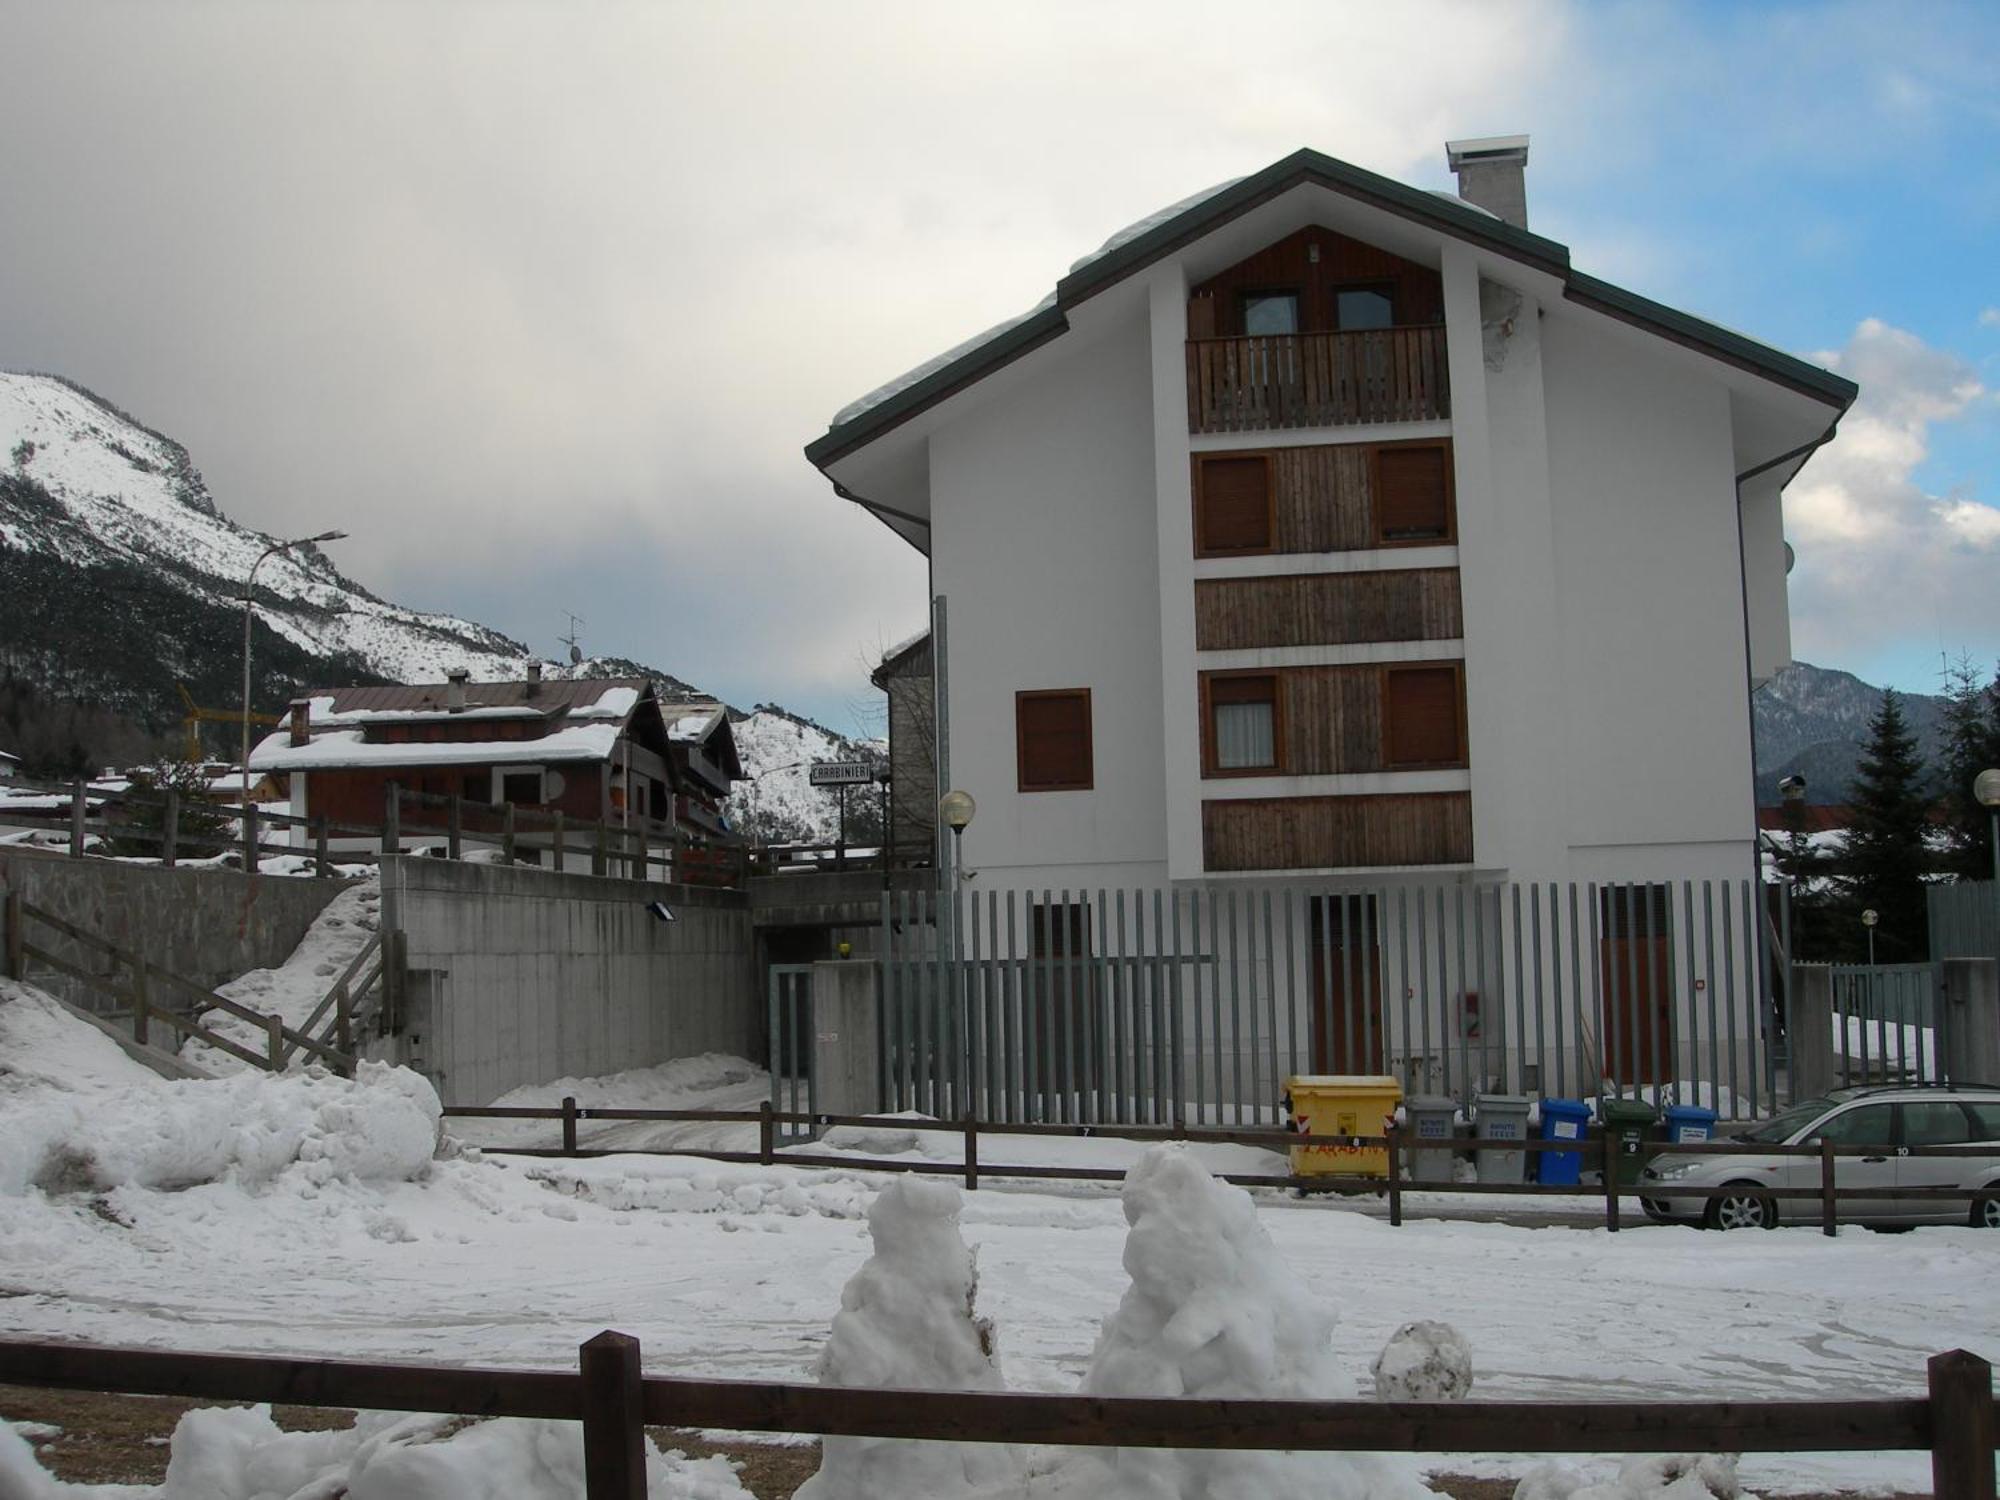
pixel 701 748
pixel 1322 526
pixel 592 750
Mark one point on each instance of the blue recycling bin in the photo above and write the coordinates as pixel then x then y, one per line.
pixel 1689 1122
pixel 1562 1120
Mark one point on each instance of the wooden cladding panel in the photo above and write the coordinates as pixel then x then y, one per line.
pixel 1327 497
pixel 1317 263
pixel 1346 720
pixel 1327 609
pixel 1307 833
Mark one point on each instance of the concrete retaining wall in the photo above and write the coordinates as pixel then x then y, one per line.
pixel 207 925
pixel 520 975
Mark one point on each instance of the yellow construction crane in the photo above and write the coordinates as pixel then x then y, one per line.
pixel 195 717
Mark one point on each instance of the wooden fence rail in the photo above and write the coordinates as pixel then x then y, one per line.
pixel 634 849
pixel 1397 1142
pixel 612 1398
pixel 144 978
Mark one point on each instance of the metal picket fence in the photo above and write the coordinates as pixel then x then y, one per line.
pixel 1193 1005
pixel 1885 1023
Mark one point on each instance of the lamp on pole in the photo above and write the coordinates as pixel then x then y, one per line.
pixel 249 594
pixel 1986 787
pixel 1868 919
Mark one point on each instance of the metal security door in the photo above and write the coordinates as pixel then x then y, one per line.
pixel 790 1037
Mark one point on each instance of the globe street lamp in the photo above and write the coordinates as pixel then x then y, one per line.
pixel 957 809
pixel 249 594
pixel 1986 787
pixel 1868 919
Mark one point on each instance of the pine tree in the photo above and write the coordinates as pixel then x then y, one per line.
pixel 1885 859
pixel 1971 745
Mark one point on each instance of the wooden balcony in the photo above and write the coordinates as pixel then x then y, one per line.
pixel 1317 379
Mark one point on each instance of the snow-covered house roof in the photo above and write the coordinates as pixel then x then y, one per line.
pixel 499 723
pixel 8 763
pixel 898 656
pixel 704 743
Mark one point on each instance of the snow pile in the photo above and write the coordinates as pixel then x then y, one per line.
pixel 907 1321
pixel 1214 1312
pixel 294 989
pixel 239 1453
pixel 1424 1361
pixel 77 1115
pixel 1686 1476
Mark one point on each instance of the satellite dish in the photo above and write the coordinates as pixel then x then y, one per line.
pixel 575 655
pixel 554 785
pixel 1791 557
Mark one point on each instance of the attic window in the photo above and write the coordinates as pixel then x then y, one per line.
pixel 522 788
pixel 1267 313
pixel 1356 307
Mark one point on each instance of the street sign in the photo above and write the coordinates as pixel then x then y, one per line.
pixel 842 773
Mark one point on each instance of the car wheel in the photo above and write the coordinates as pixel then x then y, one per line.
pixel 1742 1208
pixel 1986 1213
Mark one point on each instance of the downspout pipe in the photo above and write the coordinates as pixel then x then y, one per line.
pixel 1801 453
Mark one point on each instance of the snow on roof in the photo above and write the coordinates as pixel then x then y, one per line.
pixel 694 722
pixel 904 645
pixel 346 749
pixel 4 755
pixel 931 366
pixel 606 697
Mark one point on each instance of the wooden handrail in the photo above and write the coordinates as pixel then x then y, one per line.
pixel 1265 381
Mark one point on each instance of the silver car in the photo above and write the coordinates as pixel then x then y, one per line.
pixel 1891 1117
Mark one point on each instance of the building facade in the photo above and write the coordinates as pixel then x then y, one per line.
pixel 1326 529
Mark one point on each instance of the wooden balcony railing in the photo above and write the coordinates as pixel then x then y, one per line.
pixel 1317 379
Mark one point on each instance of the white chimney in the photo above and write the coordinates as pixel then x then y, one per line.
pixel 534 677
pixel 301 712
pixel 454 689
pixel 1491 173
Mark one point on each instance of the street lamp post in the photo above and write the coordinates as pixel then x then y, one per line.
pixel 1986 787
pixel 249 595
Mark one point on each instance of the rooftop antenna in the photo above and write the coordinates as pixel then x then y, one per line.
pixel 575 651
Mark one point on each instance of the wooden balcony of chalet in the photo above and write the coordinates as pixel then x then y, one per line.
pixel 1259 383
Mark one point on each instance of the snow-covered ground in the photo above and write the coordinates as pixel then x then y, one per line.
pixel 738 1270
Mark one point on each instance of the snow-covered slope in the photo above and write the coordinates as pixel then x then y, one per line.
pixel 88 485
pixel 776 801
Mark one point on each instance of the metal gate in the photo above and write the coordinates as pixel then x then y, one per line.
pixel 1886 1023
pixel 790 1033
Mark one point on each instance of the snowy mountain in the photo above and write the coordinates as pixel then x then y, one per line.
pixel 120 577
pixel 1812 721
pixel 777 802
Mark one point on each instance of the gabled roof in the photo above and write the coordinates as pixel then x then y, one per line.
pixel 703 724
pixel 594 697
pixel 1124 257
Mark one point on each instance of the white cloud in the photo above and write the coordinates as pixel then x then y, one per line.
pixel 1989 317
pixel 1881 559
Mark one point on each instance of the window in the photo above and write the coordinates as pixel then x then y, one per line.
pixel 1052 740
pixel 1421 722
pixel 1413 492
pixel 1357 307
pixel 522 788
pixel 1232 504
pixel 1870 1125
pixel 1270 313
pixel 1243 723
pixel 1985 1119
pixel 1935 1122
pixel 478 786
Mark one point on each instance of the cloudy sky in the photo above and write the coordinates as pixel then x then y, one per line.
pixel 541 301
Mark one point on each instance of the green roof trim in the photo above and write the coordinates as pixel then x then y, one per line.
pixel 1309 167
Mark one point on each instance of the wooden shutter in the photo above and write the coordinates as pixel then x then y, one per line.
pixel 1232 503
pixel 1052 740
pixel 1420 718
pixel 1413 492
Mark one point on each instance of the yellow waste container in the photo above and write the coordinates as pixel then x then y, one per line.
pixel 1361 1104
